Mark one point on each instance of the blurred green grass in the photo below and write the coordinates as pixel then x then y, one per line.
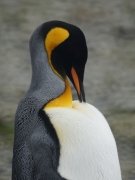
pixel 6 132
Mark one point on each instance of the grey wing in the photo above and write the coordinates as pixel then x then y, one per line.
pixel 22 164
pixel 36 153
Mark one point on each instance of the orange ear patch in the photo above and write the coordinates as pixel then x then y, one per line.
pixel 55 37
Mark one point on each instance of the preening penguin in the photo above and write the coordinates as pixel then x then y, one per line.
pixel 57 138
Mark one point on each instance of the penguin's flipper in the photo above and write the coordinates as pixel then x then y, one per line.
pixel 36 152
pixel 43 165
pixel 22 162
pixel 44 151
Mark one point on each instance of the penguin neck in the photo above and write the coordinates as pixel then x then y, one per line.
pixel 64 100
pixel 47 86
pixel 40 67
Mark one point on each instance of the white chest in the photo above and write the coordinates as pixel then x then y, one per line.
pixel 88 150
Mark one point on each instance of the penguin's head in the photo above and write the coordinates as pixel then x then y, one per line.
pixel 66 50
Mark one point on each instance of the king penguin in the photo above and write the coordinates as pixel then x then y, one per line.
pixel 57 138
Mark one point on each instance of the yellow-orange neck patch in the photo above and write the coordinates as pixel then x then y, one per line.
pixel 64 100
pixel 55 37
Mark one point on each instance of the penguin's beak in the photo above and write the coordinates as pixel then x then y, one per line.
pixel 78 85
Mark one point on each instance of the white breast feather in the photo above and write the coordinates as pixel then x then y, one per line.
pixel 88 149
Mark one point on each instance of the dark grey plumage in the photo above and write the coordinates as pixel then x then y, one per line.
pixel 36 147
